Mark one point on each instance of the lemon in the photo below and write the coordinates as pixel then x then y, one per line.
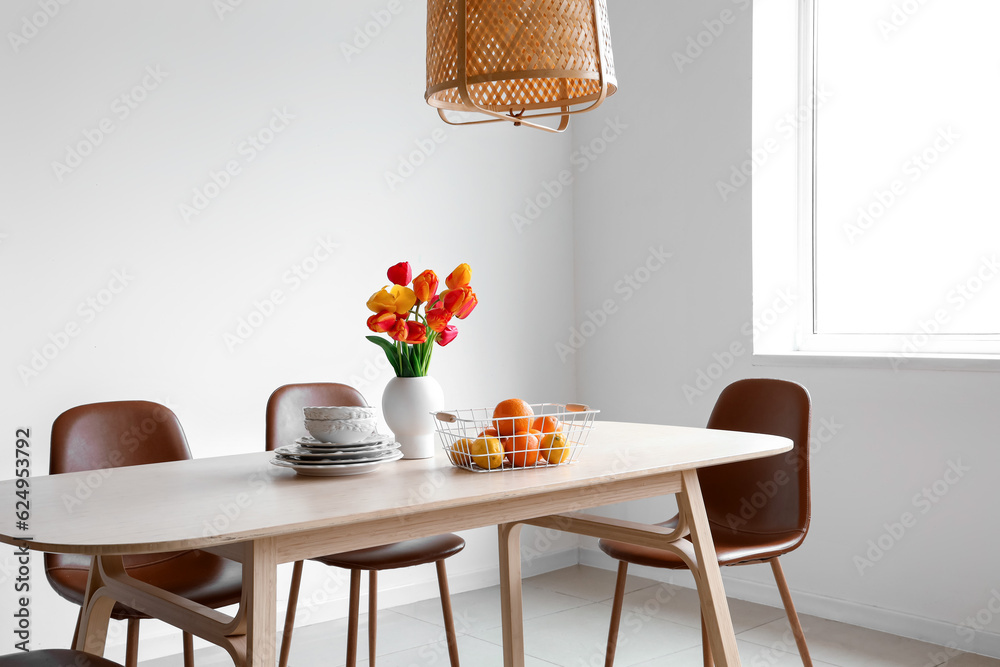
pixel 460 452
pixel 554 448
pixel 487 453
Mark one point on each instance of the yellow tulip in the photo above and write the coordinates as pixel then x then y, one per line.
pixel 403 299
pixel 381 301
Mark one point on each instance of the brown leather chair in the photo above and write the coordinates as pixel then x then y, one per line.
pixel 284 426
pixel 127 433
pixel 54 658
pixel 758 510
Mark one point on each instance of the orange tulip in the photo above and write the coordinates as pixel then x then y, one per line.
pixel 460 277
pixel 382 322
pixel 425 286
pixel 437 318
pixel 409 332
pixel 460 302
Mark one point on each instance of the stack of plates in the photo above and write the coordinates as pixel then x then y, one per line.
pixel 311 457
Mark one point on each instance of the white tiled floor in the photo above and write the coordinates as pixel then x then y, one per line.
pixel 566 623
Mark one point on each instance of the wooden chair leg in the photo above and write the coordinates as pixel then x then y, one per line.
pixel 132 643
pixel 293 602
pixel 793 617
pixel 706 648
pixel 616 614
pixel 188 650
pixel 352 619
pixel 76 630
pixel 449 621
pixel 372 614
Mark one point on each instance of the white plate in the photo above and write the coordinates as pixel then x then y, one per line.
pixel 299 451
pixel 335 470
pixel 373 439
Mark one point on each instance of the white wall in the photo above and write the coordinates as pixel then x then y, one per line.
pixel 190 282
pixel 895 433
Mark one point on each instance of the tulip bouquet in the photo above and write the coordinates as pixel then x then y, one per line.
pixel 398 313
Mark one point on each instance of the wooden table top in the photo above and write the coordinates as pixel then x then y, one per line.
pixel 216 501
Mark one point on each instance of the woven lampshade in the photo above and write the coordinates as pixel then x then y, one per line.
pixel 508 58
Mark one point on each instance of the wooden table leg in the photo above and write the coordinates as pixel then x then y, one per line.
pixel 260 595
pixel 510 594
pixel 714 607
pixel 95 614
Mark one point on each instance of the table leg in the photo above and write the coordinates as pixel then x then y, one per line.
pixel 510 594
pixel 260 599
pixel 95 614
pixel 714 608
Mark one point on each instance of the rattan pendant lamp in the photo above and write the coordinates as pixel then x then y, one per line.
pixel 518 60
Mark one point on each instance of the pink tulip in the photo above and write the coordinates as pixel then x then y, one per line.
pixel 449 334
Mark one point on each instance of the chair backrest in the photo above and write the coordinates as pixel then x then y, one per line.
pixel 768 495
pixel 284 408
pixel 113 435
pixel 116 434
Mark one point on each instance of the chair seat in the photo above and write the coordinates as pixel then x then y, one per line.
pixel 399 554
pixel 196 575
pixel 55 658
pixel 734 548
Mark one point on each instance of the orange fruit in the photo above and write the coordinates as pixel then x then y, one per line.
pixel 512 416
pixel 554 448
pixel 488 433
pixel 521 450
pixel 547 424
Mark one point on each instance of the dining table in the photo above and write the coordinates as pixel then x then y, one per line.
pixel 243 508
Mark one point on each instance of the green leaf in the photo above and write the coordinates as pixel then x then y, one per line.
pixel 390 352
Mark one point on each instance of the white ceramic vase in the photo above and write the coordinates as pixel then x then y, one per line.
pixel 407 404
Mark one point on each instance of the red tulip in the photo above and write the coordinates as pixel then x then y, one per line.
pixel 460 277
pixel 437 318
pixel 400 274
pixel 447 335
pixel 425 286
pixel 382 322
pixel 409 332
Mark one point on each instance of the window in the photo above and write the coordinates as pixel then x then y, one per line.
pixel 875 160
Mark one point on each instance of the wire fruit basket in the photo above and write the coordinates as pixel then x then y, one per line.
pixel 474 440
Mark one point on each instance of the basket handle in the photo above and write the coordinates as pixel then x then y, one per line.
pixel 576 407
pixel 446 417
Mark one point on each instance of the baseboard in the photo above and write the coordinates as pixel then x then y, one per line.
pixel 892 621
pixel 160 640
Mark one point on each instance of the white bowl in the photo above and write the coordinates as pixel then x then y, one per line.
pixel 339 412
pixel 340 431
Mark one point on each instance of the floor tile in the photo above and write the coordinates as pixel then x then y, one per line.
pixel 589 583
pixel 472 652
pixel 681 605
pixel 480 609
pixel 577 637
pixel 972 660
pixel 845 645
pixel 751 655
